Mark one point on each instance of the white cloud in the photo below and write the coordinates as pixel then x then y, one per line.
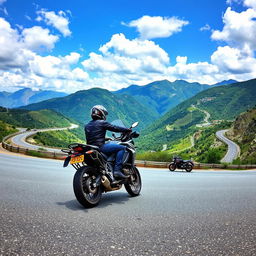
pixel 126 56
pixel 72 58
pixel 239 29
pixel 233 60
pixel 122 62
pixel 2 1
pixel 38 38
pixel 59 21
pixel 157 26
pixel 250 3
pixel 205 27
pixel 21 66
pixel 11 49
pixel 202 72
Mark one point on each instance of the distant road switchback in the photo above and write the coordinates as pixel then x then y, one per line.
pixel 20 139
pixel 233 149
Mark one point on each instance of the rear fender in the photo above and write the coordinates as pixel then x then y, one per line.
pixel 66 161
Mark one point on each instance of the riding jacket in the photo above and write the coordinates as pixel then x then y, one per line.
pixel 95 131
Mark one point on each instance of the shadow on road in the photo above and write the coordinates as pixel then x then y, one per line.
pixel 72 205
pixel 108 199
pixel 113 198
pixel 183 171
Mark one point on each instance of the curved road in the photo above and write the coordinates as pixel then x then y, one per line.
pixel 179 213
pixel 20 139
pixel 233 149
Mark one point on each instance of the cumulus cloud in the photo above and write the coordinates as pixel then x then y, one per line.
pixel 11 49
pixel 121 62
pixel 239 29
pixel 202 72
pixel 2 1
pixel 250 3
pixel 21 66
pixel 157 26
pixel 127 56
pixel 38 38
pixel 59 21
pixel 233 60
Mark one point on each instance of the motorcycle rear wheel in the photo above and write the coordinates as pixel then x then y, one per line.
pixel 189 167
pixel 133 186
pixel 172 167
pixel 83 186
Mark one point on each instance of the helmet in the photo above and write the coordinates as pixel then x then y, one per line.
pixel 99 112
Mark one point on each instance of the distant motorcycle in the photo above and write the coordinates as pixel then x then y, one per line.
pixel 179 163
pixel 94 173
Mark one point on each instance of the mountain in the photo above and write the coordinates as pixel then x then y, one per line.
pixel 222 103
pixel 161 96
pixel 243 131
pixel 26 96
pixel 230 81
pixel 79 104
pixel 33 119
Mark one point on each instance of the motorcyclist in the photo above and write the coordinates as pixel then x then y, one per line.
pixel 95 132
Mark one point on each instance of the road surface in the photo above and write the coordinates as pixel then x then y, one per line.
pixel 233 148
pixel 20 139
pixel 177 213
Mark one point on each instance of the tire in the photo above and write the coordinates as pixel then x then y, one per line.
pixel 188 167
pixel 172 167
pixel 85 194
pixel 133 187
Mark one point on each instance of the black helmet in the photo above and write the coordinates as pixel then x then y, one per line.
pixel 99 112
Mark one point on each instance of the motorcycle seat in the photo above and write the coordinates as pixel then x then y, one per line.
pixel 93 147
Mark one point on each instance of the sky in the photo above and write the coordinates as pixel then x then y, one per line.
pixel 76 45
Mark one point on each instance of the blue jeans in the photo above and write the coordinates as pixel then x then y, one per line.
pixel 110 148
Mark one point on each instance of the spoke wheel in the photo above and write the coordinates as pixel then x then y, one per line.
pixel 188 167
pixel 172 167
pixel 133 186
pixel 84 187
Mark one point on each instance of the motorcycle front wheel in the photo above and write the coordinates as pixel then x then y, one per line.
pixel 84 187
pixel 172 167
pixel 188 167
pixel 133 186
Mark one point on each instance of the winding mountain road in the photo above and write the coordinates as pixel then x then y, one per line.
pixel 20 139
pixel 179 213
pixel 233 149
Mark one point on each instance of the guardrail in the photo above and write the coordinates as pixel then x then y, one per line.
pixel 141 163
pixel 31 152
pixel 144 163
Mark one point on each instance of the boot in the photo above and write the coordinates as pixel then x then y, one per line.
pixel 119 175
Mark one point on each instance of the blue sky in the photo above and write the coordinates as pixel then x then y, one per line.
pixel 74 45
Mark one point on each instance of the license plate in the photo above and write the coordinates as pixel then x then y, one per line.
pixel 77 159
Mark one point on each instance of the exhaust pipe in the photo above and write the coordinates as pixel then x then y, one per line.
pixel 106 183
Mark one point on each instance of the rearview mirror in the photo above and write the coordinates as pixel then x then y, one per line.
pixel 134 124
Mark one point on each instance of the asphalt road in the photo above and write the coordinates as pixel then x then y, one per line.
pixel 233 148
pixel 20 139
pixel 177 213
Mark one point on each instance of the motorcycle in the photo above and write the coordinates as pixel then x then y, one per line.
pixel 179 163
pixel 94 170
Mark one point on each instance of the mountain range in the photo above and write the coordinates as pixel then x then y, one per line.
pixel 26 96
pixel 161 96
pixel 79 104
pixel 135 103
pixel 221 103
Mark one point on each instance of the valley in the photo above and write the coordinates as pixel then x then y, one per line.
pixel 188 128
